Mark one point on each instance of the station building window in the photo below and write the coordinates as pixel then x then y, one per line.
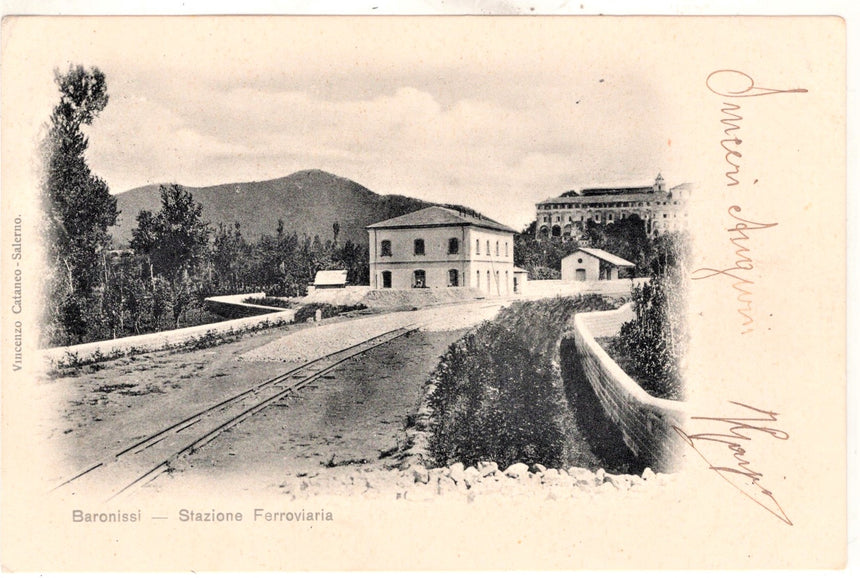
pixel 418 246
pixel 386 279
pixel 385 248
pixel 453 246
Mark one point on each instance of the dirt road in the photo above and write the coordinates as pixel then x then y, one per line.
pixel 351 420
pixel 353 416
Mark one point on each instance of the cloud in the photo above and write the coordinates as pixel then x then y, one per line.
pixel 499 144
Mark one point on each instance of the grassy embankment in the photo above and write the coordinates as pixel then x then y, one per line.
pixel 498 395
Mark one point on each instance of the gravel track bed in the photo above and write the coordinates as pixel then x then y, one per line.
pixel 315 341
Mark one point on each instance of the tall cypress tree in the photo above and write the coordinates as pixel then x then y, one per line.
pixel 77 204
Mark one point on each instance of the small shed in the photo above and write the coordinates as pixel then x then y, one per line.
pixel 589 264
pixel 334 279
pixel 521 276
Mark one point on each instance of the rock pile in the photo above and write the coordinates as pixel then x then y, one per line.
pixel 485 479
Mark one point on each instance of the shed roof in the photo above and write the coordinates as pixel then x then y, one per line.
pixel 334 277
pixel 439 217
pixel 604 256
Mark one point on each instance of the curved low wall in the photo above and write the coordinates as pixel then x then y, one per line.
pixel 234 306
pixel 644 420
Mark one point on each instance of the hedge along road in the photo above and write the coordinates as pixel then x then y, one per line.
pixel 104 408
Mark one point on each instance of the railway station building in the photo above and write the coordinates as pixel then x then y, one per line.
pixel 439 247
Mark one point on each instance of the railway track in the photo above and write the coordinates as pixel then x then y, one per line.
pixel 121 473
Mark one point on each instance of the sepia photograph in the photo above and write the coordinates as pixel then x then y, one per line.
pixel 423 293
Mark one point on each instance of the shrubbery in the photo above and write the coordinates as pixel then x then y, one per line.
pixel 655 342
pixel 309 311
pixel 497 393
pixel 269 302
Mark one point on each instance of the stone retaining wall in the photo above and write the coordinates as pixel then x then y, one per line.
pixel 644 420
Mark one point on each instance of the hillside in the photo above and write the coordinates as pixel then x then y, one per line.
pixel 309 202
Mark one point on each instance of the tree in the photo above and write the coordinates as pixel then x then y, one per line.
pixel 143 238
pixel 353 258
pixel 181 236
pixel 541 257
pixel 77 204
pixel 628 239
pixel 175 241
pixel 230 260
pixel 656 340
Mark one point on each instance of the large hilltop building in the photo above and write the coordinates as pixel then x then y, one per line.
pixel 439 247
pixel 662 209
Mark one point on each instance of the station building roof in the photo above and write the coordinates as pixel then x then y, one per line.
pixel 439 217
pixel 604 256
pixel 333 277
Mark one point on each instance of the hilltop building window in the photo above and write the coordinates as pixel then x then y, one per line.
pixel 385 248
pixel 386 279
pixel 419 279
pixel 418 247
pixel 453 246
pixel 453 278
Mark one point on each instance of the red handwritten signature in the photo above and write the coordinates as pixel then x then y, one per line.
pixel 743 263
pixel 736 84
pixel 740 475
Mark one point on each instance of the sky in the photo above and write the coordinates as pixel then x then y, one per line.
pixel 497 114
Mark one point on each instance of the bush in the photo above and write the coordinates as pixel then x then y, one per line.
pixel 269 302
pixel 309 311
pixel 655 342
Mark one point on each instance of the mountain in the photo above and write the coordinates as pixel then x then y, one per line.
pixel 309 202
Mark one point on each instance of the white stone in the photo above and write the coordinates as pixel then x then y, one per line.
pixel 488 468
pixel 420 475
pixel 471 476
pixel 456 472
pixel 518 470
pixel 550 476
